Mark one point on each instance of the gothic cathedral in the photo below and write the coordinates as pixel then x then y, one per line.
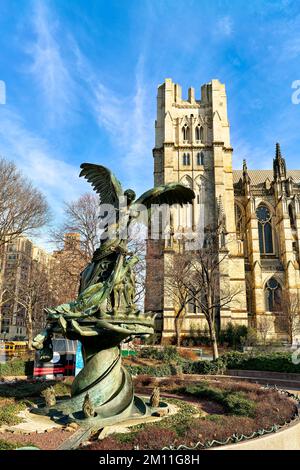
pixel 260 208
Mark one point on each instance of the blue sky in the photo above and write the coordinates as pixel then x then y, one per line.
pixel 81 79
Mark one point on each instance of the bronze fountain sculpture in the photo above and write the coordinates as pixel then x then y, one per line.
pixel 104 313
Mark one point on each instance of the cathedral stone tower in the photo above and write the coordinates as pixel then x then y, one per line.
pixel 192 146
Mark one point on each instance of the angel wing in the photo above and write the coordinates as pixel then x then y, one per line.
pixel 171 193
pixel 103 181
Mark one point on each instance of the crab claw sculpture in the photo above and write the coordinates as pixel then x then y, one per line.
pixel 104 314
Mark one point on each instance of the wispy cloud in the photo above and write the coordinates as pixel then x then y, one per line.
pixel 224 26
pixel 48 66
pixel 125 119
pixel 57 179
pixel 244 149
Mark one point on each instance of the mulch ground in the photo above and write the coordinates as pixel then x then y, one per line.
pixel 45 441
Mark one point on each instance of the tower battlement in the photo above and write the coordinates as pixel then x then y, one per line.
pixel 172 93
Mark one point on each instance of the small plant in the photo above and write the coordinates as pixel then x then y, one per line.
pixel 214 418
pixel 234 403
pixel 238 405
pixel 166 354
pixel 163 370
pixel 5 445
pixel 233 334
pixel 17 367
pixel 9 410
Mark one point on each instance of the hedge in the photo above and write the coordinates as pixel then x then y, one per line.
pixel 164 370
pixel 172 362
pixel 273 362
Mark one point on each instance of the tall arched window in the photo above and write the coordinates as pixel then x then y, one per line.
pixel 185 132
pixel 265 230
pixel 199 133
pixel 292 214
pixel 273 293
pixel 200 158
pixel 239 221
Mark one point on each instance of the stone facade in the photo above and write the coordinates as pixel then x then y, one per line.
pixel 192 146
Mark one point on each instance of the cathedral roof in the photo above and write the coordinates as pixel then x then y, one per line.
pixel 260 176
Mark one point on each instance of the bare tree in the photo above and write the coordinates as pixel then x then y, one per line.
pixel 178 282
pixel 81 216
pixel 5 298
pixel 23 208
pixel 27 293
pixel 32 296
pixel 290 318
pixel 194 277
pixel 208 293
pixel 264 327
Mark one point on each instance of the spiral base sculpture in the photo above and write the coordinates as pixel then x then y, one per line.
pixel 104 380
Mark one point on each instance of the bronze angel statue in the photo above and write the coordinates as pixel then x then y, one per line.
pixel 104 313
pixel 107 284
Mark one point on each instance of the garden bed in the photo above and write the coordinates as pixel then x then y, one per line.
pixel 211 412
pixel 16 397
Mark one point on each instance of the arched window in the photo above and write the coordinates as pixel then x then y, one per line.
pixel 239 222
pixel 292 215
pixel 192 307
pixel 273 293
pixel 185 132
pixel 186 159
pixel 199 133
pixel 265 230
pixel 200 158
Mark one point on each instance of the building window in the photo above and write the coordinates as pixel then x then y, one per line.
pixel 186 159
pixel 185 133
pixel 199 133
pixel 239 222
pixel 292 215
pixel 265 231
pixel 273 296
pixel 200 158
pixel 192 308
